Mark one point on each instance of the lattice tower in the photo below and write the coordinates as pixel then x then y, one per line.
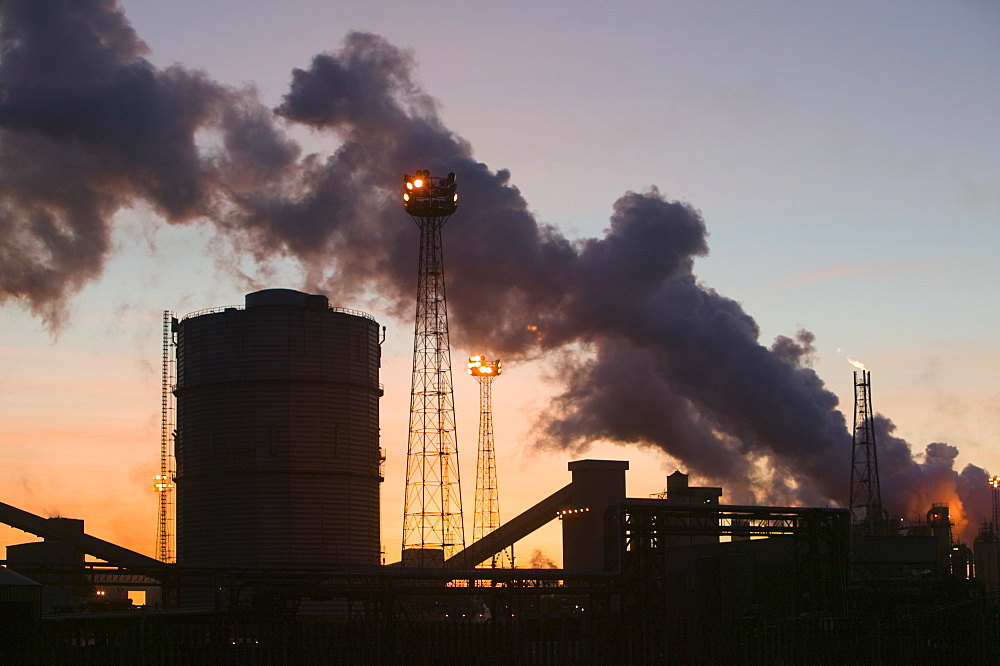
pixel 163 483
pixel 432 514
pixel 995 487
pixel 866 493
pixel 487 506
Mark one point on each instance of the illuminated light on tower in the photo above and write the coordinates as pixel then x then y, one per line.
pixel 995 485
pixel 163 483
pixel 866 493
pixel 433 527
pixel 487 508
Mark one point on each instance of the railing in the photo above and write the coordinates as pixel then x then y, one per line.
pixel 198 313
pixel 356 313
pixel 206 311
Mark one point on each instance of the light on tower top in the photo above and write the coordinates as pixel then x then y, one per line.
pixel 161 484
pixel 425 195
pixel 995 482
pixel 480 367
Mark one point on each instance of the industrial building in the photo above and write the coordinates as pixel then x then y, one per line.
pixel 277 546
pixel 678 578
pixel 277 431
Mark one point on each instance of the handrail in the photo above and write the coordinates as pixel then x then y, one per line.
pixel 206 311
pixel 198 313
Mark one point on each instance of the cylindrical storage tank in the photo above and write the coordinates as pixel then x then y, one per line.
pixel 277 434
pixel 987 550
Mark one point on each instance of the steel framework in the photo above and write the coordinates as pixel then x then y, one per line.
pixel 866 494
pixel 487 506
pixel 163 483
pixel 995 487
pixel 641 532
pixel 432 514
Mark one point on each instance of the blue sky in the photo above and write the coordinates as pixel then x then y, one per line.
pixel 844 157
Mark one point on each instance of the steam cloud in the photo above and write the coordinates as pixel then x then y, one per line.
pixel 88 126
pixel 540 560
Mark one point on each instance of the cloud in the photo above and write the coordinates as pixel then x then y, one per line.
pixel 651 356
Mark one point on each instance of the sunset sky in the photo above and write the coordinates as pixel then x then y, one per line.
pixel 845 159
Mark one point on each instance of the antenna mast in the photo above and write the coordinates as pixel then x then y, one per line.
pixel 433 527
pixel 487 508
pixel 163 483
pixel 994 482
pixel 866 493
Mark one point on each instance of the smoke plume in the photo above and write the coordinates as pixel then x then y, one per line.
pixel 88 126
pixel 540 560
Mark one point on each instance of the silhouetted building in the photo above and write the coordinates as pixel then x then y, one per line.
pixel 278 459
pixel 987 548
pixel 679 492
pixel 598 485
pixel 55 555
pixel 20 618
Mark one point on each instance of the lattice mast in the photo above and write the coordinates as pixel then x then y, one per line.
pixel 995 487
pixel 432 514
pixel 163 483
pixel 866 493
pixel 487 506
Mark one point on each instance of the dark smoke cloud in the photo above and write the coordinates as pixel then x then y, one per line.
pixel 654 358
pixel 87 126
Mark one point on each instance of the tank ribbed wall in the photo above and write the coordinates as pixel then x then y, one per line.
pixel 277 447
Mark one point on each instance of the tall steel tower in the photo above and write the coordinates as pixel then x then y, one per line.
pixel 487 508
pixel 995 485
pixel 163 483
pixel 433 527
pixel 866 493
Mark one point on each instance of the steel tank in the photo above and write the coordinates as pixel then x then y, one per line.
pixel 277 444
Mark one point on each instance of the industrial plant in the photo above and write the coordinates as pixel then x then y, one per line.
pixel 269 543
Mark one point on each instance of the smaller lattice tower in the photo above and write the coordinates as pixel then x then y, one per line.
pixel 487 508
pixel 867 514
pixel 163 483
pixel 995 486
